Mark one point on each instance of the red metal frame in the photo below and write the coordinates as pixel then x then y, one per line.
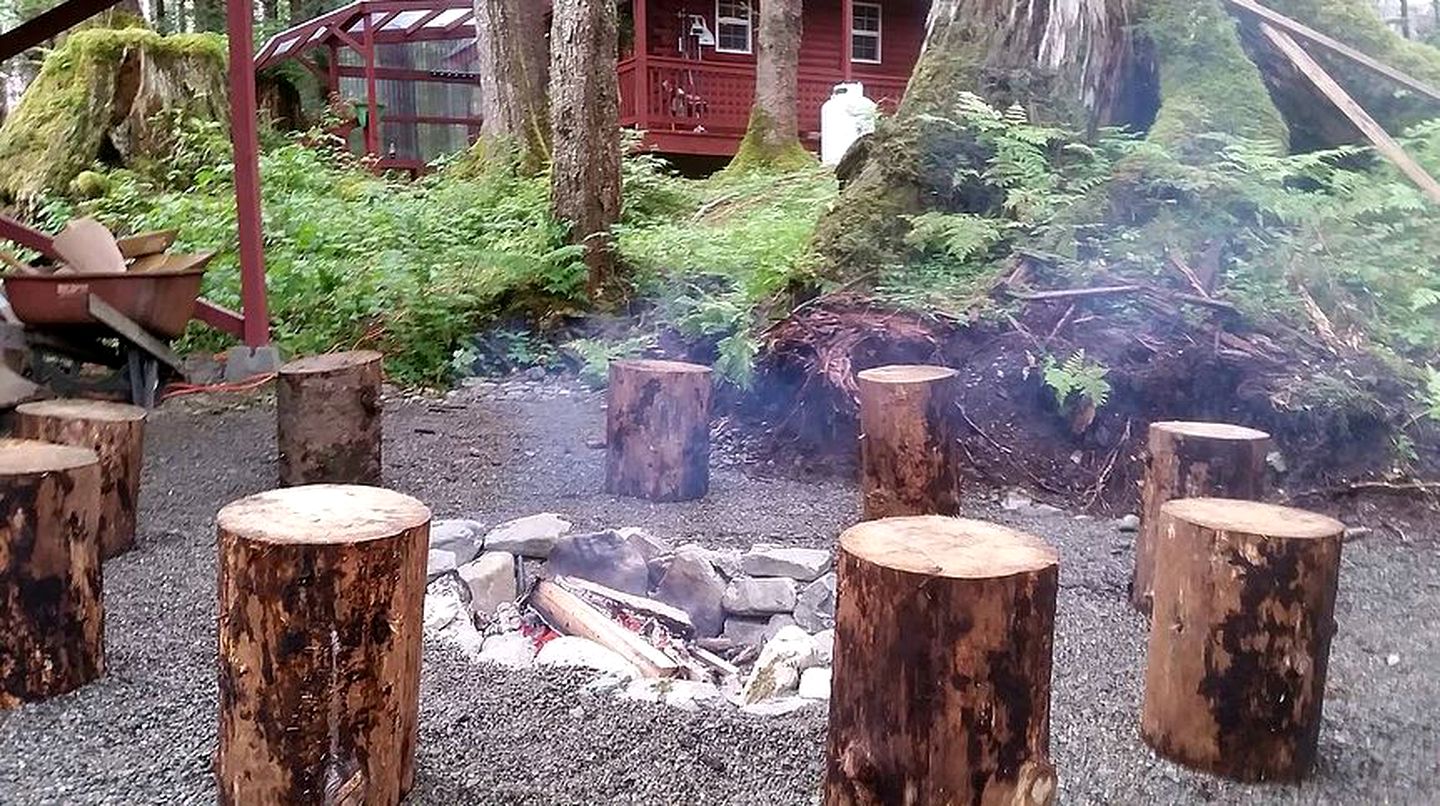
pixel 49 25
pixel 246 141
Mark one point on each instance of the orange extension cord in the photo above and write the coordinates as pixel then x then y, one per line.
pixel 182 389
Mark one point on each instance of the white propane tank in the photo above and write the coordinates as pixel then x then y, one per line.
pixel 844 119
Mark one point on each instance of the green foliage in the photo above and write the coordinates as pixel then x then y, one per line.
pixel 595 355
pixel 1078 376
pixel 1430 394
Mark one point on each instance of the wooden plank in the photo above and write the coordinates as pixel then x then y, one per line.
pixel 126 328
pixel 1373 131
pixel 568 614
pixel 673 617
pixel 1279 20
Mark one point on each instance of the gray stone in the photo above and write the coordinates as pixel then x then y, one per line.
pixel 747 631
pixel 649 546
pixel 727 562
pixel 510 649
pixel 779 706
pixel 1015 501
pixel 691 584
pixel 577 653
pixel 533 536
pixel 815 608
pixel 490 578
pixel 1129 523
pixel 603 557
pixel 778 622
pixel 777 671
pixel 803 565
pixel 825 647
pixel 444 603
pixel 439 562
pixel 461 538
pixel 243 362
pixel 815 684
pixel 687 695
pixel 748 596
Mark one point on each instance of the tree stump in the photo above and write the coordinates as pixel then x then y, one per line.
pixel 52 618
pixel 943 638
pixel 1240 637
pixel 116 433
pixel 328 416
pixel 658 430
pixel 321 599
pixel 1192 460
pixel 908 441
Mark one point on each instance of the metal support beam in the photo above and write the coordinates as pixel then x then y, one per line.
pixel 642 63
pixel 847 39
pixel 246 142
pixel 49 25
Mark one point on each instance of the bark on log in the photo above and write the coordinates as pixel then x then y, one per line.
pixel 943 644
pixel 52 618
pixel 908 442
pixel 513 52
pixel 1192 460
pixel 328 417
pixel 1240 639
pixel 116 433
pixel 658 430
pixel 321 598
pixel 772 138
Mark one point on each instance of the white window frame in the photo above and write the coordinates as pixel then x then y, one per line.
pixel 733 21
pixel 877 34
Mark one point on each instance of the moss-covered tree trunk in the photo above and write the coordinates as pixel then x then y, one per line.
pixel 773 137
pixel 512 45
pixel 585 124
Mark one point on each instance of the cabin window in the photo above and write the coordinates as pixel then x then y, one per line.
pixel 733 26
pixel 865 34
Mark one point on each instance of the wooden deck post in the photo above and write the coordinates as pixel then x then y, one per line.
pixel 244 137
pixel 1240 637
pixel 658 430
pixel 321 597
pixel 943 649
pixel 327 416
pixel 847 36
pixel 52 618
pixel 116 433
pixel 1191 460
pixel 372 97
pixel 907 442
pixel 642 64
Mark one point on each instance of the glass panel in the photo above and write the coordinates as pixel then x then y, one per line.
pixel 867 18
pixel 865 48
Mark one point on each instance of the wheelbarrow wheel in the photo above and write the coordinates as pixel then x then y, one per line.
pixel 143 372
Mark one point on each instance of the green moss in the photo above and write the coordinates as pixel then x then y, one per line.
pixel 58 128
pixel 765 148
pixel 1207 83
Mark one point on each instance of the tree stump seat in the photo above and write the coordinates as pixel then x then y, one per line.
pixel 657 428
pixel 328 419
pixel 908 441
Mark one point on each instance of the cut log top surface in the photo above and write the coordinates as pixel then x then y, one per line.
pixel 947 547
pixel 323 514
pixel 21 457
pixel 1253 518
pixel 1238 433
pixel 906 373
pixel 330 362
pixel 102 410
pixel 659 366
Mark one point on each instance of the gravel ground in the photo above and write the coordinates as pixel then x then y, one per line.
pixel 145 734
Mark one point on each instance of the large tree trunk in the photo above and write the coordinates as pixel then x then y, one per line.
pixel 585 124
pixel 773 138
pixel 514 64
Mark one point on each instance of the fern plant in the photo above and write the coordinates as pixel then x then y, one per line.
pixel 1077 376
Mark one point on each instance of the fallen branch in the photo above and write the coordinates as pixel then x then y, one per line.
pixel 1073 293
pixel 568 614
pixel 672 616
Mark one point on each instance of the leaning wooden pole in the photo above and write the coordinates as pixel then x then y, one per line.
pixel 116 432
pixel 1240 637
pixel 52 618
pixel 908 441
pixel 1190 460
pixel 658 430
pixel 943 639
pixel 321 597
pixel 328 419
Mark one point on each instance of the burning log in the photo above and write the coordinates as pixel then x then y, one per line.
pixel 942 665
pixel 673 617
pixel 1191 460
pixel 328 417
pixel 51 611
pixel 568 614
pixel 116 433
pixel 321 601
pixel 658 430
pixel 908 441
pixel 1240 638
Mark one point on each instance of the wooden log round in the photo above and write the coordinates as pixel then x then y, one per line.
pixel 328 418
pixel 321 598
pixel 1192 460
pixel 908 441
pixel 52 616
pixel 943 647
pixel 116 432
pixel 1240 637
pixel 658 430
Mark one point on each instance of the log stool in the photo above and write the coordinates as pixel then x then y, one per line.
pixel 52 619
pixel 116 432
pixel 321 599
pixel 328 417
pixel 1240 637
pixel 1192 460
pixel 941 690
pixel 657 429
pixel 907 443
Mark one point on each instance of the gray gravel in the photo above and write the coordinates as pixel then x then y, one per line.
pixel 146 733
